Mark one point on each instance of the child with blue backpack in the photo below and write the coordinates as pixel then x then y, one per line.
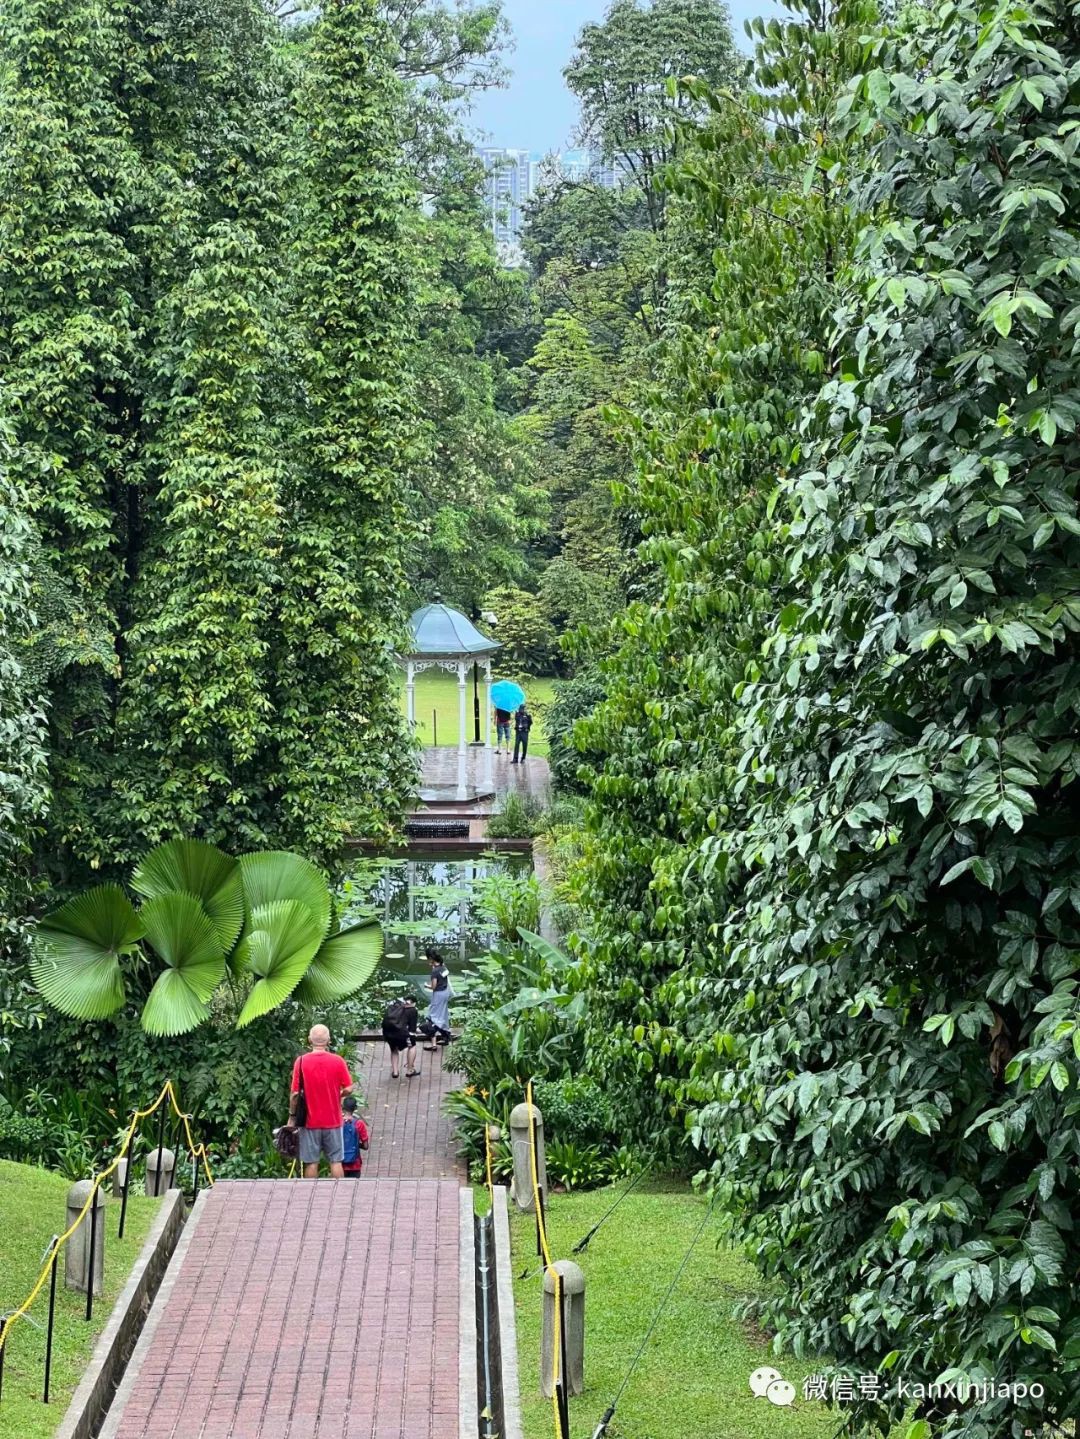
pixel 354 1139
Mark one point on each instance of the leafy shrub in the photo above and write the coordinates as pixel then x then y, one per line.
pixel 521 817
pixel 574 700
pixel 575 1166
pixel 575 1110
pixel 513 902
pixel 24 1137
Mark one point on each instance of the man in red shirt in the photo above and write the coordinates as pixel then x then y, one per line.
pixel 326 1078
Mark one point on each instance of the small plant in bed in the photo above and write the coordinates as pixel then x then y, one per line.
pixel 521 817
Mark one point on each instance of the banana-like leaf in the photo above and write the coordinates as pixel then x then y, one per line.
pixel 345 961
pixel 75 959
pixel 547 951
pixel 186 938
pixel 282 940
pixel 270 875
pixel 190 866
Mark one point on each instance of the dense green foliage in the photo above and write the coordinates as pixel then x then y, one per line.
pixel 217 505
pixel 830 908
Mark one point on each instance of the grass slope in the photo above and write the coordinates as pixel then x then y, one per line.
pixel 31 1212
pixel 693 1376
pixel 437 690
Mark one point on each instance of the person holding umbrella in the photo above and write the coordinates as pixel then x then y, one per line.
pixel 505 697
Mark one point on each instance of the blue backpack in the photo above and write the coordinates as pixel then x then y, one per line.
pixel 350 1142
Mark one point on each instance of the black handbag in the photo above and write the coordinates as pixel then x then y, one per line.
pixel 287 1142
pixel 300 1112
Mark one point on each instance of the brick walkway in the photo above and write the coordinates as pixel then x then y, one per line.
pixel 304 1309
pixel 325 1310
pixel 410 1134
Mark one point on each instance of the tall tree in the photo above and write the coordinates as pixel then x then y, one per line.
pixel 194 716
pixel 752 219
pixel 621 71
pixel 70 182
pixel 23 773
pixel 343 760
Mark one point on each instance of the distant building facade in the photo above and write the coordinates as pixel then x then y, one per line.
pixel 512 178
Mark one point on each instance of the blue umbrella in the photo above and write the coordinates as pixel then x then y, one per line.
pixel 506 695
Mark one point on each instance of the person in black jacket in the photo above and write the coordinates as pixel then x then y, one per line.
pixel 522 726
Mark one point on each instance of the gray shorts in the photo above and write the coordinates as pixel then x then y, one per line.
pixel 314 1142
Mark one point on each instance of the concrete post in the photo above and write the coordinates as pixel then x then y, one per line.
pixel 573 1287
pixel 77 1249
pixel 118 1178
pixel 521 1140
pixel 160 1169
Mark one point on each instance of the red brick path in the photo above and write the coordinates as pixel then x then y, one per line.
pixel 410 1134
pixel 327 1310
pixel 316 1310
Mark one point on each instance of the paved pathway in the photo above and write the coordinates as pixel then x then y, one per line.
pixel 316 1310
pixel 410 1134
pixel 304 1309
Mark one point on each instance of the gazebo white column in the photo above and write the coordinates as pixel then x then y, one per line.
pixel 488 780
pixel 462 690
pixel 410 690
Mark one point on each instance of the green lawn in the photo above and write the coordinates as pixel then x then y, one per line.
pixel 693 1378
pixel 31 1212
pixel 437 690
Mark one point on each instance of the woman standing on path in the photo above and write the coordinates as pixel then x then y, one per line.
pixel 438 1021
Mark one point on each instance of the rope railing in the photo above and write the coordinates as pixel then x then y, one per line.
pixel 199 1160
pixel 559 1399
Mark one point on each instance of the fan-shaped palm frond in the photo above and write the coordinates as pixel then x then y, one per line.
pixel 283 938
pixel 270 875
pixel 190 866
pixel 186 938
pixel 344 962
pixel 75 960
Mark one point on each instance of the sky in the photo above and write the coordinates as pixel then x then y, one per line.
pixel 537 112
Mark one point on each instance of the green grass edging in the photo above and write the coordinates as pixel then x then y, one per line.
pixel 693 1377
pixel 31 1212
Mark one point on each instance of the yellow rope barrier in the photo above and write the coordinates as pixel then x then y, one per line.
pixel 490 1180
pixel 541 1228
pixel 196 1152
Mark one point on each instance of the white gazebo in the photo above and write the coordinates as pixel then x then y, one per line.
pixel 443 638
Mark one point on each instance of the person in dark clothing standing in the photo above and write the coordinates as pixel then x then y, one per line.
pixel 522 726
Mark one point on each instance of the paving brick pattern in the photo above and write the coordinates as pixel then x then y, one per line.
pixel 326 1310
pixel 410 1133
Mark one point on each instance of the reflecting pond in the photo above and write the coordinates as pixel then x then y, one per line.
pixel 429 899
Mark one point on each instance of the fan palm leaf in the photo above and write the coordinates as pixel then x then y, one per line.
pixel 344 962
pixel 185 936
pixel 283 938
pixel 76 952
pixel 190 866
pixel 271 875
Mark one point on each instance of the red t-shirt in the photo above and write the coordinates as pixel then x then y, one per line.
pixel 325 1076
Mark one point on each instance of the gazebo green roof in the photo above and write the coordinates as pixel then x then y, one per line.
pixel 439 632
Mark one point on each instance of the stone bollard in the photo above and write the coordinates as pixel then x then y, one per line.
pixel 573 1287
pixel 520 1140
pixel 160 1168
pixel 119 1175
pixel 77 1249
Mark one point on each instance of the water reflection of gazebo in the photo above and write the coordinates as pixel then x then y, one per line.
pixel 443 638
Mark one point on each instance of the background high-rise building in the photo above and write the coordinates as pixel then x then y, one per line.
pixel 512 178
